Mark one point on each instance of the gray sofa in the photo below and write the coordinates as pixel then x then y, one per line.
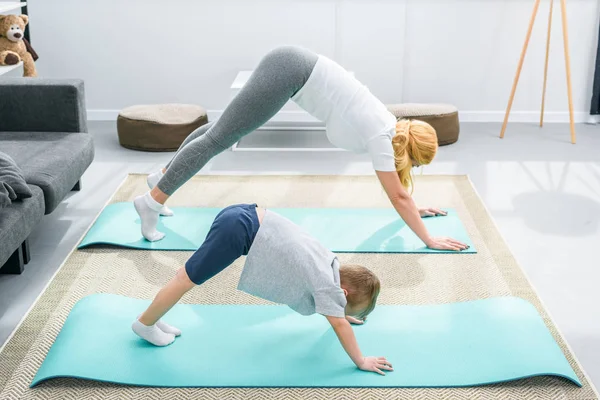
pixel 43 128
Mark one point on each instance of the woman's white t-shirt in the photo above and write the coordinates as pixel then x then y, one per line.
pixel 355 119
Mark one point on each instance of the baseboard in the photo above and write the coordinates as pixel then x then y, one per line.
pixel 102 115
pixel 580 117
pixel 283 116
pixel 465 116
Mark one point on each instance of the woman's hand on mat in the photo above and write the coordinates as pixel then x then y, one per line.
pixel 355 321
pixel 376 364
pixel 431 212
pixel 446 243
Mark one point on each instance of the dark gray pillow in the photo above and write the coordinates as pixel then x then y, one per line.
pixel 12 182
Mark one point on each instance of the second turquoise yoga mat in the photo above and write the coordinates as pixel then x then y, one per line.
pixel 349 230
pixel 450 345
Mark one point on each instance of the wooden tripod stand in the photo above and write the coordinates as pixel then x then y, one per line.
pixel 567 64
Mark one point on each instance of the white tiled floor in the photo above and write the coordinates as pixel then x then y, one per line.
pixel 543 192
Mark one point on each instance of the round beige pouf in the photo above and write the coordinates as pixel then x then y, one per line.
pixel 442 117
pixel 158 127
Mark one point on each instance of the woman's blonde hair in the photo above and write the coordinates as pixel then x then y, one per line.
pixel 415 141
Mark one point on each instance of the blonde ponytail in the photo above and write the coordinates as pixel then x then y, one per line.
pixel 415 142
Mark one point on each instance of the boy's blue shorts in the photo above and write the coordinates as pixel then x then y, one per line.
pixel 230 236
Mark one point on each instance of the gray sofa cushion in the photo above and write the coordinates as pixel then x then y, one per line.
pixel 18 220
pixel 42 105
pixel 52 161
pixel 12 182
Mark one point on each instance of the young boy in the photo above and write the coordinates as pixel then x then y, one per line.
pixel 284 265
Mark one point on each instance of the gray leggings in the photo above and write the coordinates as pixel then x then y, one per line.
pixel 279 75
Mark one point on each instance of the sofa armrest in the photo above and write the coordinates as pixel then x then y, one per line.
pixel 42 105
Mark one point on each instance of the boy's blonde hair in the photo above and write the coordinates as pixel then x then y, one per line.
pixel 362 286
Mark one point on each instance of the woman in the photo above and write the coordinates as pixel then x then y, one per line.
pixel 355 120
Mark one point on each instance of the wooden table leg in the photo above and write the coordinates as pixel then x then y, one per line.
pixel 546 65
pixel 536 6
pixel 568 67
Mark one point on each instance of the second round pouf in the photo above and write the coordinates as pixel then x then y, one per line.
pixel 442 117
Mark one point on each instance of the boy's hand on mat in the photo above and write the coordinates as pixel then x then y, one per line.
pixel 376 364
pixel 445 243
pixel 355 321
pixel 431 212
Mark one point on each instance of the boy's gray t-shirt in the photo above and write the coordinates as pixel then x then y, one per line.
pixel 286 265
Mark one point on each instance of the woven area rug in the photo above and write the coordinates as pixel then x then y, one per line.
pixel 406 279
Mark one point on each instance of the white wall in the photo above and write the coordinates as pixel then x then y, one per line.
pixel 460 51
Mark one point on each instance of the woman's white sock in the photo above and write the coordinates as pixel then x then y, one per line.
pixel 152 181
pixel 148 209
pixel 153 178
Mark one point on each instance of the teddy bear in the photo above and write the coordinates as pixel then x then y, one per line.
pixel 13 46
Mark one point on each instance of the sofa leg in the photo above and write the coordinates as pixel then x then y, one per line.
pixel 26 251
pixel 77 186
pixel 15 264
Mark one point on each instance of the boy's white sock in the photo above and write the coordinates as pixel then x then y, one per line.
pixel 152 334
pixel 166 328
pixel 152 181
pixel 148 210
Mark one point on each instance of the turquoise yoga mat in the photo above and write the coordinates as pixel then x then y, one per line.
pixel 450 345
pixel 349 230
